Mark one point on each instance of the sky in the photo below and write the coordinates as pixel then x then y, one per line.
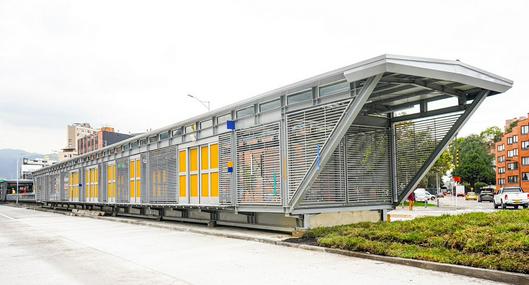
pixel 131 64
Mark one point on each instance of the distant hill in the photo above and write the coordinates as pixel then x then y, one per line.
pixel 8 161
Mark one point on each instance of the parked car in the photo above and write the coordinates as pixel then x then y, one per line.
pixel 422 195
pixel 471 196
pixel 511 196
pixel 486 194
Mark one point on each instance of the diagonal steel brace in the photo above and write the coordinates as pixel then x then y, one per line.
pixel 349 115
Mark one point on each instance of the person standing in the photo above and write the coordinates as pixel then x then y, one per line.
pixel 411 200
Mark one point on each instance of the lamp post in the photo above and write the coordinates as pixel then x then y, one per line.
pixel 18 174
pixel 204 103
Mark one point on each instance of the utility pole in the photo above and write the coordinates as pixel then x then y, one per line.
pixel 18 174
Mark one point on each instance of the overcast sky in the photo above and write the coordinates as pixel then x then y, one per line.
pixel 130 64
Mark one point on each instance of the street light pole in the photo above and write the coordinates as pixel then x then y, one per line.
pixel 204 103
pixel 18 174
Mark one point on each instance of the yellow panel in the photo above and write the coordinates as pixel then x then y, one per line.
pixel 194 185
pixel 204 163
pixel 204 185
pixel 131 190
pixel 183 190
pixel 214 155
pixel 214 184
pixel 138 168
pixel 182 161
pixel 131 169
pixel 193 157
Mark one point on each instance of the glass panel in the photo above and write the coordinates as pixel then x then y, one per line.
pixel 206 124
pixel 204 164
pixel 214 148
pixel 193 157
pixel 272 105
pixel 183 185
pixel 194 185
pixel 337 88
pixel 223 118
pixel 205 185
pixel 214 184
pixel 245 112
pixel 164 135
pixel 300 97
pixel 182 161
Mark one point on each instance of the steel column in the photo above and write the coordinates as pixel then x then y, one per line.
pixel 444 144
pixel 349 115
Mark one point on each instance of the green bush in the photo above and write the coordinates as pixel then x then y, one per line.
pixel 498 240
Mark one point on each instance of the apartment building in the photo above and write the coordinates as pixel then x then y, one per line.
pixel 75 131
pixel 103 137
pixel 512 155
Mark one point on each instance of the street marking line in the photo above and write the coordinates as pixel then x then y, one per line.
pixel 3 215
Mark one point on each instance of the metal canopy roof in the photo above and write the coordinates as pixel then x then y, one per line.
pixel 406 81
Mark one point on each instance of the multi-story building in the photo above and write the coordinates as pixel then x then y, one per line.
pixel 103 137
pixel 74 132
pixel 29 165
pixel 512 155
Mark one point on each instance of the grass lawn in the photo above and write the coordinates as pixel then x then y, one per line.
pixel 498 240
pixel 421 204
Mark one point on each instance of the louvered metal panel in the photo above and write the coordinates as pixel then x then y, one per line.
pixel 65 187
pixel 415 142
pixel 225 156
pixel 307 131
pixel 258 166
pixel 329 187
pixel 53 188
pixel 122 180
pixel 368 166
pixel 162 176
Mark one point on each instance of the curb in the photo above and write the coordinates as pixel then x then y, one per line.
pixel 488 274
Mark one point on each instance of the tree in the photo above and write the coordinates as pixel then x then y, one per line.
pixel 441 166
pixel 491 134
pixel 475 162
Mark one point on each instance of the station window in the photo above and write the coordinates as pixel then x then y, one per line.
pixel 271 105
pixel 190 129
pixel 206 124
pixel 223 118
pixel 248 111
pixel 203 171
pixel 164 135
pixel 334 89
pixel 176 132
pixel 300 97
pixel 153 139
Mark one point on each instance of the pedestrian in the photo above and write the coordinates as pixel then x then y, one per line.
pixel 411 200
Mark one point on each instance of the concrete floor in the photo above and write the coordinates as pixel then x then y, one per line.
pixel 46 248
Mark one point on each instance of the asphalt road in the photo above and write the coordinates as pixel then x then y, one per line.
pixel 46 248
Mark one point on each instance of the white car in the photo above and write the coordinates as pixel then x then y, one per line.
pixel 421 195
pixel 511 196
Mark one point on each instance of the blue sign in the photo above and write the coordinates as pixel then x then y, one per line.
pixel 230 125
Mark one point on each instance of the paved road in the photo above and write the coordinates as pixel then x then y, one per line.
pixel 47 248
pixel 447 206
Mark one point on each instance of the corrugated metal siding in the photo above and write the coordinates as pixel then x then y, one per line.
pixel 162 176
pixel 258 166
pixel 415 141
